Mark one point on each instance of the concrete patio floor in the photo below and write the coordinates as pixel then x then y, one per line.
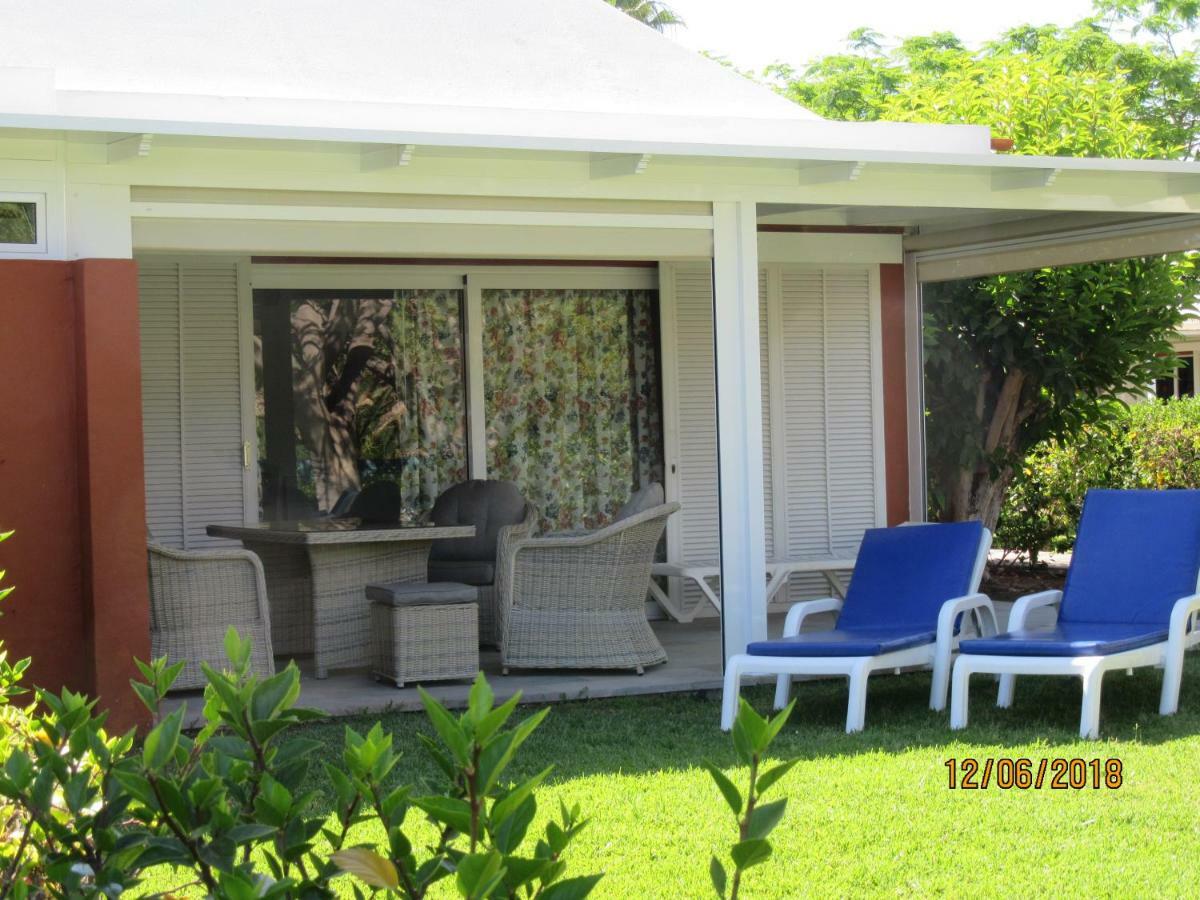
pixel 693 664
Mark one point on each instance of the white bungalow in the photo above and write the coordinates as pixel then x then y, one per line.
pixel 518 171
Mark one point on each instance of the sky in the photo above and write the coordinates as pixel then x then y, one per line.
pixel 755 33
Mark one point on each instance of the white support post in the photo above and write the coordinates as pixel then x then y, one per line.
pixel 476 424
pixel 914 362
pixel 739 424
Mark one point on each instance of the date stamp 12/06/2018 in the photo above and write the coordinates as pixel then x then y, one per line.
pixel 1022 773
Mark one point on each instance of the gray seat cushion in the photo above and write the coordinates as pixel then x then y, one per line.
pixel 407 593
pixel 488 505
pixel 465 571
pixel 647 497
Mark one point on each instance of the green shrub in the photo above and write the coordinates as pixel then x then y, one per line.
pixel 1147 445
pixel 17 859
pixel 230 808
pixel 752 736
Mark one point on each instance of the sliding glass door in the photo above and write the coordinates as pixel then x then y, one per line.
pixel 360 385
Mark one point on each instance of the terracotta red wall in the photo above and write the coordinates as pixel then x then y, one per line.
pixel 895 391
pixel 71 481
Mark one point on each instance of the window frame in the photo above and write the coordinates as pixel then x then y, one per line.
pixel 40 246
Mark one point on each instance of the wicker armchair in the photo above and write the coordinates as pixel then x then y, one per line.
pixel 195 596
pixel 580 602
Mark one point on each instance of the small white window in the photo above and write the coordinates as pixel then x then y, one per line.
pixel 22 223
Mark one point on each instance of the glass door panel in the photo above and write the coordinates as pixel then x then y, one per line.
pixel 357 387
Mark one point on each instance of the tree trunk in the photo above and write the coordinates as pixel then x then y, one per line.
pixel 979 491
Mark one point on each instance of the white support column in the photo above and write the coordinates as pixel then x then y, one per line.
pixel 914 354
pixel 739 424
pixel 476 424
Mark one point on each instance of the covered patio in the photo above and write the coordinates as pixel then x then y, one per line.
pixel 705 287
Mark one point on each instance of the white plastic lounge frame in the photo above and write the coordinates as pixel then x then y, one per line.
pixel 859 668
pixel 1183 633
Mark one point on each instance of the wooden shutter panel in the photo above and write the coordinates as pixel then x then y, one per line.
pixel 764 360
pixel 830 477
pixel 158 298
pixel 850 412
pixel 191 384
pixel 698 528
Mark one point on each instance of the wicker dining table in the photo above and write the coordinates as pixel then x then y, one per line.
pixel 316 573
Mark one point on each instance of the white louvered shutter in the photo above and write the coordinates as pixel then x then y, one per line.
pixel 191 386
pixel 850 412
pixel 829 478
pixel 764 360
pixel 698 527
pixel 158 297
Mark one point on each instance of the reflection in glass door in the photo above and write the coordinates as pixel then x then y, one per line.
pixel 353 388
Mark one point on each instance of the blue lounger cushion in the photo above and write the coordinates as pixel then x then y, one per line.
pixel 1137 553
pixel 843 642
pixel 1067 639
pixel 902 577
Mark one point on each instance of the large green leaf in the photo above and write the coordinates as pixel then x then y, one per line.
pixel 765 817
pixel 447 810
pixel 162 740
pixel 571 888
pixel 768 778
pixel 716 874
pixel 732 795
pixel 750 853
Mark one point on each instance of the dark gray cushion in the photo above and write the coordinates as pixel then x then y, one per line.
pixel 643 499
pixel 407 593
pixel 467 571
pixel 488 505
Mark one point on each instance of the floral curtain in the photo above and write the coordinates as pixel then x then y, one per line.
pixel 426 423
pixel 572 397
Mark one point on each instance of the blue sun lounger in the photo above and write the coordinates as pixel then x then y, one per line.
pixel 1130 600
pixel 911 587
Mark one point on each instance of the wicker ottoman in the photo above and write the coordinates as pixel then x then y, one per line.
pixel 424 632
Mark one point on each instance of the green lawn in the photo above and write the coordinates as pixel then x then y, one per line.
pixel 871 814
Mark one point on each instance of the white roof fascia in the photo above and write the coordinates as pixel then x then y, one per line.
pixel 482 127
pixel 888 143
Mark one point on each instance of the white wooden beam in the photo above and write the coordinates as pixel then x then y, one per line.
pixel 617 165
pixel 136 146
pixel 389 156
pixel 417 215
pixel 739 425
pixel 830 172
pixel 1186 186
pixel 1020 179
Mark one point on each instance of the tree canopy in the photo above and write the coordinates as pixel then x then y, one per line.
pixel 656 14
pixel 1016 358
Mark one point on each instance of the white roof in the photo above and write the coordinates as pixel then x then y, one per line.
pixel 539 74
pixel 565 55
